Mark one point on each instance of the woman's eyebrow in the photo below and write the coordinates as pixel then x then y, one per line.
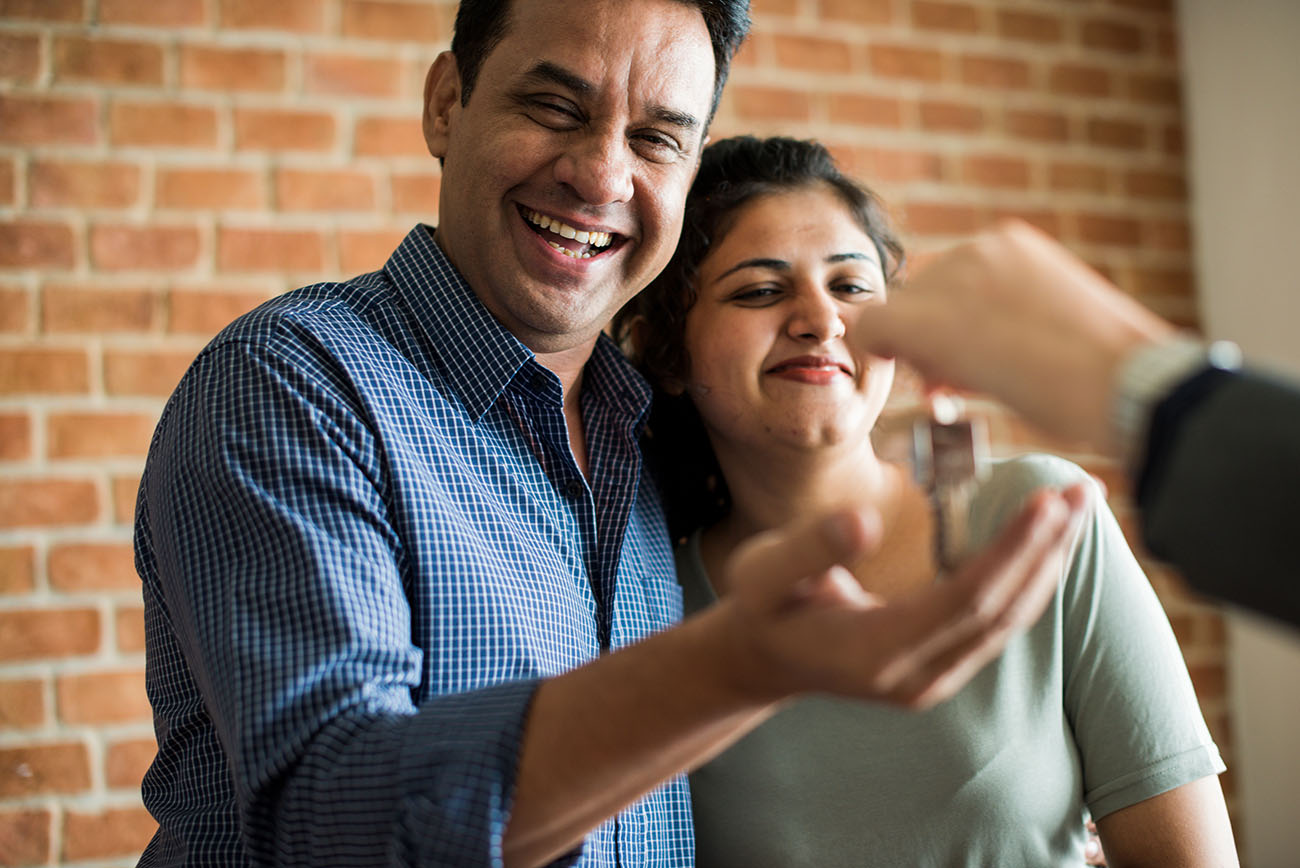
pixel 774 264
pixel 850 257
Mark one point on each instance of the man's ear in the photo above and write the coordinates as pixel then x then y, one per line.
pixel 441 102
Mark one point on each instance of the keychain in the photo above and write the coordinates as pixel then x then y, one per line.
pixel 949 459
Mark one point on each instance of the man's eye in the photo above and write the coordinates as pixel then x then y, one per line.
pixel 656 146
pixel 551 112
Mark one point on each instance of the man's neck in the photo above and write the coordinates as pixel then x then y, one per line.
pixel 568 365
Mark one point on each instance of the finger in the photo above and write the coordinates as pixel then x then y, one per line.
pixel 766 568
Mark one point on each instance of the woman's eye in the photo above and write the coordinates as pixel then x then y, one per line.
pixel 755 295
pixel 862 290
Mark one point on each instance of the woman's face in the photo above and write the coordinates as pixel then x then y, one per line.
pixel 770 338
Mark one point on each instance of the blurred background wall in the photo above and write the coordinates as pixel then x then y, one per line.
pixel 168 164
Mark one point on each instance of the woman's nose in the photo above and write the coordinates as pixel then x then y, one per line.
pixel 815 317
pixel 598 168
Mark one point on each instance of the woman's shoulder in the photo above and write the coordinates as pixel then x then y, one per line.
pixel 1011 481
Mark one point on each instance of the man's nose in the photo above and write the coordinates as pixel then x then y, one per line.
pixel 598 168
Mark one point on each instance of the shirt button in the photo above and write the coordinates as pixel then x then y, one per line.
pixel 575 489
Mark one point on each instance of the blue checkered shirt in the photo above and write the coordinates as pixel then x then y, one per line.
pixel 363 540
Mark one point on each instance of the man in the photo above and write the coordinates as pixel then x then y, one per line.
pixel 1213 451
pixel 401 558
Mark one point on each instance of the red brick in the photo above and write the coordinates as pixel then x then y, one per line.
pixel 102 697
pixel 1154 89
pixel 95 310
pixel 144 372
pixel 46 768
pixel 757 102
pixel 1177 282
pixel 1153 184
pixel 996 171
pixel 1103 229
pixel 403 21
pixel 49 371
pixel 75 567
pixel 31 244
pixel 865 110
pixel 205 312
pixel 1172 234
pixel 416 193
pixel 361 251
pixel 122 491
pixel 1167 44
pixel 905 61
pixel 35 120
pixel 151 13
pixel 1210 680
pixel 1111 133
pixel 22 703
pixel 207 67
pixel 107 61
pixel 1078 176
pixel 33 634
pixel 17 569
pixel 279 130
pixel 210 188
pixel 1029 26
pixel 1078 79
pixel 8 177
pixel 814 53
pixel 128 623
pixel 1158 6
pixel 1112 36
pixel 994 72
pixel 20 57
pixel 1172 141
pixel 270 250
pixel 773 7
pixel 152 124
pixel 114 832
pixel 292 16
pixel 352 75
pixel 127 761
pixel 83 185
pixel 1047 221
pixel 15 310
pixel 956 17
pixel 45 502
pixel 165 248
pixel 333 191
pixel 858 11
pixel 43 10
pixel 15 437
pixel 402 137
pixel 933 218
pixel 98 435
pixel 25 837
pixel 1039 126
pixel 877 165
pixel 951 117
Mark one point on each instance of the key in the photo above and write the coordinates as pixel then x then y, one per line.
pixel 949 458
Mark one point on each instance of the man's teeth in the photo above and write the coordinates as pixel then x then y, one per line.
pixel 564 230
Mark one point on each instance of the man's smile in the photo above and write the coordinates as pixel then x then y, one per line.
pixel 571 241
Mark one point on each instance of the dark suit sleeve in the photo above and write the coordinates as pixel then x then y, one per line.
pixel 1220 492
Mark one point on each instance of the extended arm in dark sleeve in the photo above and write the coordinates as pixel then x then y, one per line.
pixel 1220 490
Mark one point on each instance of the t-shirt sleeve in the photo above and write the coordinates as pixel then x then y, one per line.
pixel 1128 696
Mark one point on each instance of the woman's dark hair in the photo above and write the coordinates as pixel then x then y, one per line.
pixel 732 173
pixel 481 24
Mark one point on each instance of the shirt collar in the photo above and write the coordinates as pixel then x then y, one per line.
pixel 479 355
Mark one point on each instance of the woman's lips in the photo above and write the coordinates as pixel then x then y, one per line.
pixel 815 370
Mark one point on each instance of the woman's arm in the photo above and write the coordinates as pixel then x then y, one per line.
pixel 1186 826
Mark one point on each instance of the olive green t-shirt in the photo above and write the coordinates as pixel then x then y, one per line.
pixel 1090 710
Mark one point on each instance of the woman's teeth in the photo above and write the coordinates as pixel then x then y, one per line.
pixel 564 230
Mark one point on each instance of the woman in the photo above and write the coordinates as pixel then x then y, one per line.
pixel 767 416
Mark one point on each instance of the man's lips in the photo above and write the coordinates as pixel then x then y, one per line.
pixel 576 240
pixel 809 364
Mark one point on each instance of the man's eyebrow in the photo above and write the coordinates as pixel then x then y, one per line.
pixel 546 71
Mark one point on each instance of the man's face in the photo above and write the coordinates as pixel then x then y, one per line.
pixel 565 175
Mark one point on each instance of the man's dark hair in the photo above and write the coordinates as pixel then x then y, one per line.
pixel 732 172
pixel 482 24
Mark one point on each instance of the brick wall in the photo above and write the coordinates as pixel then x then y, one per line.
pixel 167 164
